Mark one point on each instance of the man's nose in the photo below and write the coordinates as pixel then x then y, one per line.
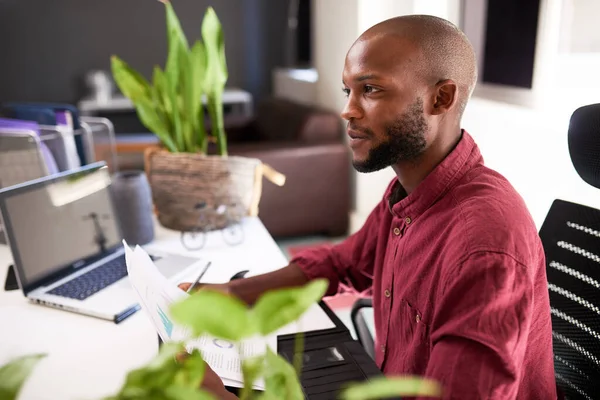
pixel 351 110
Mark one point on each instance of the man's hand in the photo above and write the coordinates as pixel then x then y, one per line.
pixel 223 287
pixel 186 285
pixel 250 289
pixel 211 382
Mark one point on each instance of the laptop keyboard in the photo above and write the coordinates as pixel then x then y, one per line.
pixel 93 281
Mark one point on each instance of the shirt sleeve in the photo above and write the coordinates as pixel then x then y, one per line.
pixel 349 264
pixel 479 334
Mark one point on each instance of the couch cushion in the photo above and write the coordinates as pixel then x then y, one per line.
pixel 284 120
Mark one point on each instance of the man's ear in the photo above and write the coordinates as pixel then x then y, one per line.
pixel 446 96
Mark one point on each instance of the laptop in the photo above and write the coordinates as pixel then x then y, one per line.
pixel 67 246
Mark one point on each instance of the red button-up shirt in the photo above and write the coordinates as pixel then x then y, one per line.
pixel 457 274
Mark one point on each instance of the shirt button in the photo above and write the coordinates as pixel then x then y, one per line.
pixel 383 348
pixel 407 220
pixel 418 318
pixel 387 293
pixel 396 231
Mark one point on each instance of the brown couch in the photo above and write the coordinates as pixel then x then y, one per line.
pixel 307 145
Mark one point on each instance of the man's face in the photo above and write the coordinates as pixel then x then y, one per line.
pixel 386 121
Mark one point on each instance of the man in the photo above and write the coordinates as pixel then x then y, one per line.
pixel 451 254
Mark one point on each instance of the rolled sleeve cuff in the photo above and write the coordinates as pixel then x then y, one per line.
pixel 317 263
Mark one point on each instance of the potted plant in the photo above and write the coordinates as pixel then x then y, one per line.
pixel 166 378
pixel 183 171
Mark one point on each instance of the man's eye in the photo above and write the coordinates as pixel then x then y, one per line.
pixel 369 89
pixel 346 91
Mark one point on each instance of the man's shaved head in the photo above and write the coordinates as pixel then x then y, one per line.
pixel 446 52
pixel 408 80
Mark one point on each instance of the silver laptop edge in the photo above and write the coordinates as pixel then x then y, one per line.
pixel 115 301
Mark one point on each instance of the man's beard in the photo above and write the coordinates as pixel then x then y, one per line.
pixel 405 141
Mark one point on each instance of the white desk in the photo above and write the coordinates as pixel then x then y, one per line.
pixel 88 358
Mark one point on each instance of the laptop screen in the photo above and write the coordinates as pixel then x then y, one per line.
pixel 57 224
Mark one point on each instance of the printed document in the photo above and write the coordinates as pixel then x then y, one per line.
pixel 156 295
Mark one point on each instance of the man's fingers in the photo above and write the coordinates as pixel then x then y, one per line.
pixel 184 286
pixel 213 383
pixel 181 357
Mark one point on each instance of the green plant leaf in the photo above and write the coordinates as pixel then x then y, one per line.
pixel 214 41
pixel 281 381
pixel 133 85
pixel 266 396
pixel 159 88
pixel 177 43
pixel 158 98
pixel 252 369
pixel 162 95
pixel 198 68
pixel 277 308
pixel 215 313
pixel 192 373
pixel 187 393
pixel 176 39
pixel 298 352
pixel 152 121
pixel 186 105
pixel 153 377
pixel 392 387
pixel 14 374
pixel 138 90
pixel 165 378
pixel 172 92
pixel 215 110
pixel 216 75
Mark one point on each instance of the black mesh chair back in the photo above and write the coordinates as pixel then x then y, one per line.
pixel 571 238
pixel 584 143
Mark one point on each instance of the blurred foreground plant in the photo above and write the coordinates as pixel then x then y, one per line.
pixel 14 374
pixel 222 316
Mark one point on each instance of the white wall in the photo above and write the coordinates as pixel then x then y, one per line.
pixel 335 28
pixel 530 149
pixel 579 31
pixel 578 61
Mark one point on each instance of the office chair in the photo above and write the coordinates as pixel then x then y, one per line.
pixel 571 238
pixel 363 334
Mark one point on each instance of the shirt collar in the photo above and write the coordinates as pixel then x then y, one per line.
pixel 444 175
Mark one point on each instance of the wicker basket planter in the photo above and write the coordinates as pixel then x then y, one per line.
pixel 180 181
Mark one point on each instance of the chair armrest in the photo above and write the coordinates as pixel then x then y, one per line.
pixel 360 325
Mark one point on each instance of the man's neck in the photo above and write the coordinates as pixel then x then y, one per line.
pixel 411 173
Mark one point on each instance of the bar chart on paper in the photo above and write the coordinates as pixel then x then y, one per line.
pixel 166 321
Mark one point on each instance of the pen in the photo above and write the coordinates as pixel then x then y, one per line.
pixel 193 285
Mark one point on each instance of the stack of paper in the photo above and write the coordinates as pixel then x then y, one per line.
pixel 157 294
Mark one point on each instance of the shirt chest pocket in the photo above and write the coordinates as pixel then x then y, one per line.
pixel 410 337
